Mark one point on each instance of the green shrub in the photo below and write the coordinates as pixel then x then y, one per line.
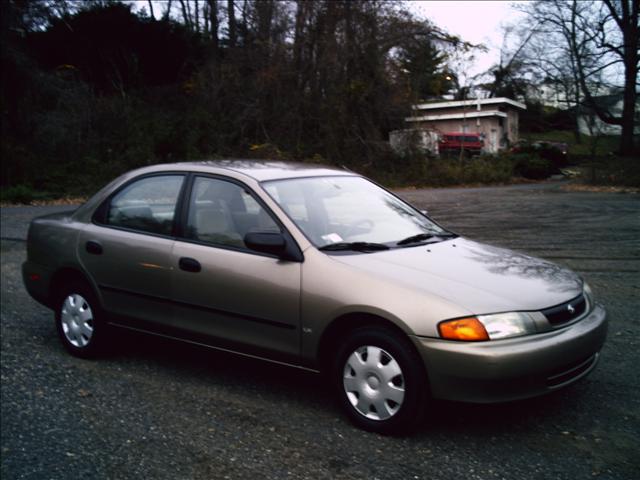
pixel 532 166
pixel 22 194
pixel 487 169
pixel 425 170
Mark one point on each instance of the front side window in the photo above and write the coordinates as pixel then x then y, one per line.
pixel 222 213
pixel 348 209
pixel 147 205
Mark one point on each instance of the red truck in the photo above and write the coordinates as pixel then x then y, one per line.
pixel 453 142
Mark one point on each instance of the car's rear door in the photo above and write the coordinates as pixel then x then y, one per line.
pixel 127 249
pixel 222 290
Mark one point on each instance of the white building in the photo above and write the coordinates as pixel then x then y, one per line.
pixel 590 124
pixel 495 118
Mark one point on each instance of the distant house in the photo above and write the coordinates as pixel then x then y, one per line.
pixel 556 95
pixel 496 119
pixel 590 124
pixel 550 95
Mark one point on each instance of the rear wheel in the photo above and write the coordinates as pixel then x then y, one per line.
pixel 380 380
pixel 79 321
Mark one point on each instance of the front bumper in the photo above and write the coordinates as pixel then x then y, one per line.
pixel 516 368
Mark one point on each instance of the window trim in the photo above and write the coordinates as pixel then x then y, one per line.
pixel 99 216
pixel 294 250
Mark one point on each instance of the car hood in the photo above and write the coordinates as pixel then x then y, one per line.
pixel 481 278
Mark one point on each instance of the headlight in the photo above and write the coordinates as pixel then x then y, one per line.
pixel 488 327
pixel 588 294
pixel 506 325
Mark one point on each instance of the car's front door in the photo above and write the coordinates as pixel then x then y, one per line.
pixel 127 250
pixel 222 289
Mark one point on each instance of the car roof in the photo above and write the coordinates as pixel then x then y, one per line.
pixel 257 170
pixel 260 170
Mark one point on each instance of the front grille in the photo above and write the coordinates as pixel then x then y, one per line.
pixel 567 311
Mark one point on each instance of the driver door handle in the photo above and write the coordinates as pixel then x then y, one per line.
pixel 93 247
pixel 189 265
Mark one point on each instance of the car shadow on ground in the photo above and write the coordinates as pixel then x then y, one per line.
pixel 528 414
pixel 241 374
pixel 282 384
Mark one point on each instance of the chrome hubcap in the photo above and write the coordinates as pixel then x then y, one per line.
pixel 373 382
pixel 77 320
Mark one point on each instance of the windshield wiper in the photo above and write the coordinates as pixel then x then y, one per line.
pixel 421 237
pixel 356 246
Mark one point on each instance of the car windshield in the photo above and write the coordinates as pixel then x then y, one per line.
pixel 351 210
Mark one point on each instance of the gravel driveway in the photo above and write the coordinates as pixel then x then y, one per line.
pixel 155 409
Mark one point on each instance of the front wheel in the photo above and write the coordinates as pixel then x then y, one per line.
pixel 78 321
pixel 380 381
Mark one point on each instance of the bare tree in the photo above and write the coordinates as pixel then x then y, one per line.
pixel 232 23
pixel 186 13
pixel 196 11
pixel 625 16
pixel 596 38
pixel 167 11
pixel 214 25
pixel 554 67
pixel 511 76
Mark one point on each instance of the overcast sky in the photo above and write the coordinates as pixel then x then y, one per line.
pixel 474 21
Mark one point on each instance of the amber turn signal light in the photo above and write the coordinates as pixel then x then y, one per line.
pixel 468 329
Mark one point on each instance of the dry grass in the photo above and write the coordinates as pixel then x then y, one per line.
pixel 39 203
pixel 581 187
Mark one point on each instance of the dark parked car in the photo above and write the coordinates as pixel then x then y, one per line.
pixel 555 152
pixel 317 268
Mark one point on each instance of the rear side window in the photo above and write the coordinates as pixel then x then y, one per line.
pixel 147 205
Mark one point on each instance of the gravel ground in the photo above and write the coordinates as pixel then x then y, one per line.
pixel 156 409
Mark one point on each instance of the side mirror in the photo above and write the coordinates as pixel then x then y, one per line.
pixel 266 242
pixel 273 243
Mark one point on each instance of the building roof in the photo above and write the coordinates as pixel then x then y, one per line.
pixel 456 116
pixel 472 102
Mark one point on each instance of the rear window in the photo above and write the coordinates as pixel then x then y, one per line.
pixel 147 205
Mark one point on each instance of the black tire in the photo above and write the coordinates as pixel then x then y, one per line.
pixel 74 303
pixel 371 383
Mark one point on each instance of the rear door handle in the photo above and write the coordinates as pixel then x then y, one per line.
pixel 93 247
pixel 189 265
